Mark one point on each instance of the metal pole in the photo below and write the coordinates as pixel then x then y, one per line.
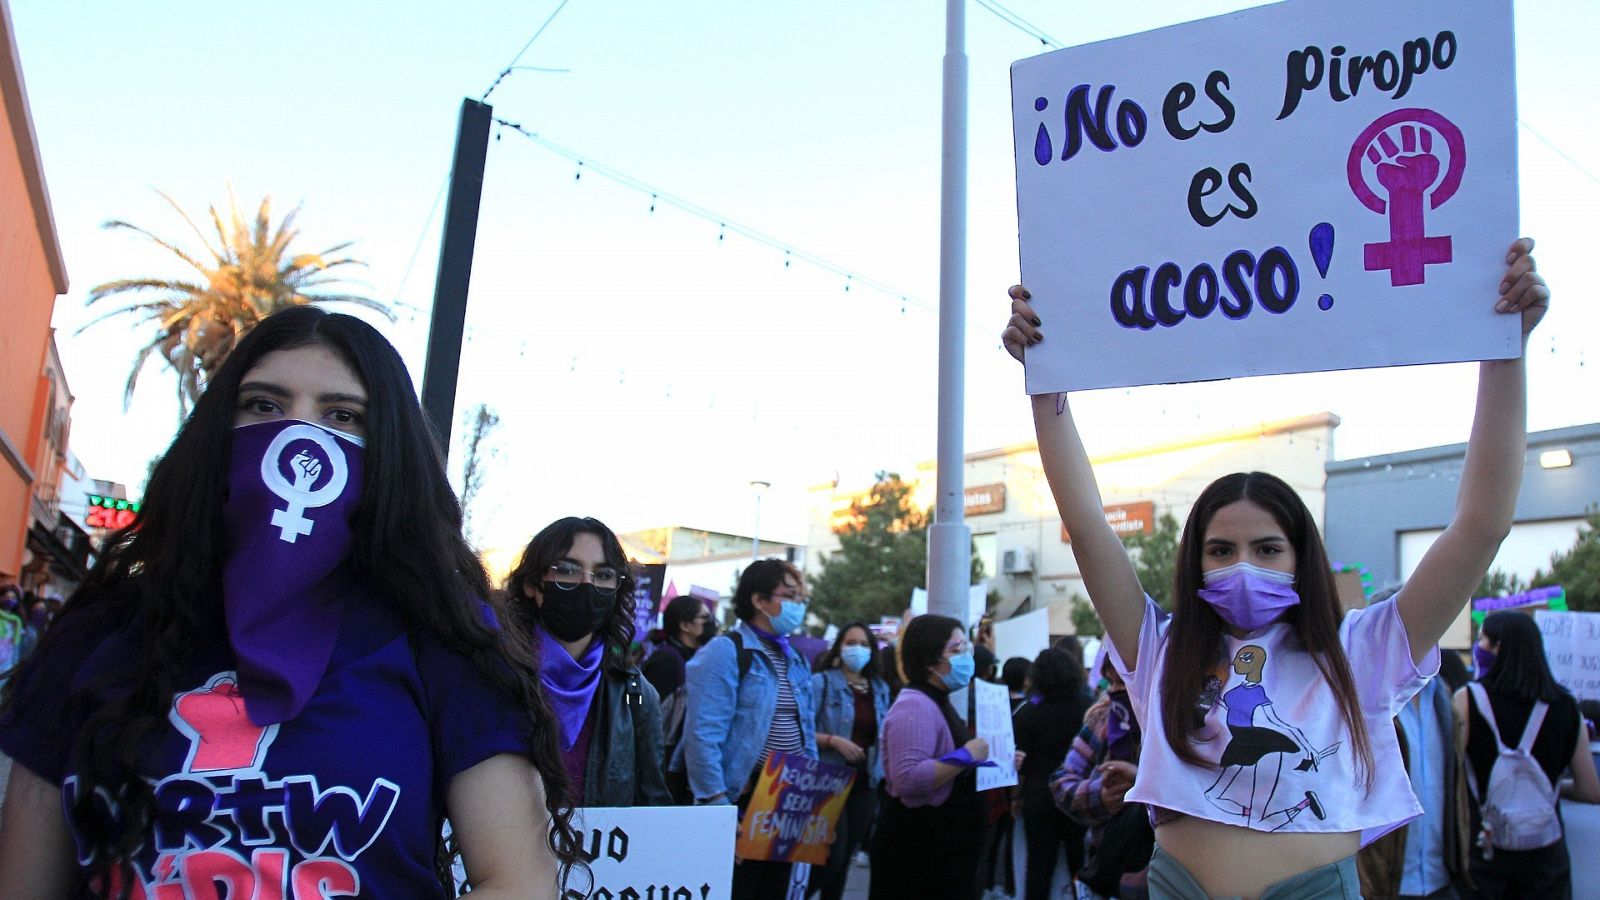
pixel 949 540
pixel 448 324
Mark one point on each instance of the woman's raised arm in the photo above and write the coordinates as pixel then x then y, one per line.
pixel 1108 573
pixel 1490 477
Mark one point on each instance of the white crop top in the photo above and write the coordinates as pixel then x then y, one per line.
pixel 1278 754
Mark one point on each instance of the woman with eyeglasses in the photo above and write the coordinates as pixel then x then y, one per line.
pixel 749 695
pixel 926 841
pixel 688 626
pixel 574 597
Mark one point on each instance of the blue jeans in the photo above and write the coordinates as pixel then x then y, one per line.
pixel 1169 880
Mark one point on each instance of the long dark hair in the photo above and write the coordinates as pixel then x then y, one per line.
pixel 1520 669
pixel 157 584
pixel 549 546
pixel 831 658
pixel 1196 629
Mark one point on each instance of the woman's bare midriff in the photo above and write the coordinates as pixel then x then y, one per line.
pixel 1231 861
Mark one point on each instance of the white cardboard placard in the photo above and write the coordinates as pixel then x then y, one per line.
pixel 688 847
pixel 1572 645
pixel 1026 636
pixel 1193 204
pixel 993 716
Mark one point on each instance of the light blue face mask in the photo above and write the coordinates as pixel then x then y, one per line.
pixel 855 657
pixel 962 666
pixel 791 617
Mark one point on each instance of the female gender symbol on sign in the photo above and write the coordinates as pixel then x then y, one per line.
pixel 1407 171
pixel 291 522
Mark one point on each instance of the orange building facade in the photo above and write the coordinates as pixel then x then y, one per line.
pixel 35 403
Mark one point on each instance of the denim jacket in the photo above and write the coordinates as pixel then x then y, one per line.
pixel 726 720
pixel 836 714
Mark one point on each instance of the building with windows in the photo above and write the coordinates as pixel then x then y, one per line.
pixel 35 404
pixel 1017 531
pixel 1385 511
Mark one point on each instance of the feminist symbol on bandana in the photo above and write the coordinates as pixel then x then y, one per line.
pixel 291 522
pixel 1415 179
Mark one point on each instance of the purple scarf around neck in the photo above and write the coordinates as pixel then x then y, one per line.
pixel 781 641
pixel 569 683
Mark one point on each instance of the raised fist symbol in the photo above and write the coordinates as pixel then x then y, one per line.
pixel 221 735
pixel 307 468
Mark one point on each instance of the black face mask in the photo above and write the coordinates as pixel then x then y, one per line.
pixel 574 613
pixel 709 632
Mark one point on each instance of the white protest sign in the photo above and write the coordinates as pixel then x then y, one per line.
pixel 1298 187
pixel 669 850
pixel 1572 645
pixel 1026 636
pixel 977 602
pixel 919 601
pixel 993 717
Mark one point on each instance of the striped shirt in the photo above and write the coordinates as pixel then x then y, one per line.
pixel 785 735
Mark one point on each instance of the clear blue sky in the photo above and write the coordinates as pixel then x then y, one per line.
pixel 645 369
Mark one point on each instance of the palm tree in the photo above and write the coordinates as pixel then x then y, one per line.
pixel 249 275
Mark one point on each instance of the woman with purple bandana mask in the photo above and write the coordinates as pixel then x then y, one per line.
pixel 281 678
pixel 573 595
pixel 1257 636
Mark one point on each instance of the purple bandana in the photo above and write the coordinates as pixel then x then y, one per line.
pixel 781 641
pixel 292 490
pixel 569 683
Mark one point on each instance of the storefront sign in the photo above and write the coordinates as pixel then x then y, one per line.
pixel 984 499
pixel 1126 519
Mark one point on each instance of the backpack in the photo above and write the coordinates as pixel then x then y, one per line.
pixel 673 710
pixel 1519 807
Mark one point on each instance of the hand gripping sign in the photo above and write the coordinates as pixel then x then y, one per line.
pixel 1180 191
pixel 301 494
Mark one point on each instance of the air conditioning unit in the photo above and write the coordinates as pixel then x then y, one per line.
pixel 1016 561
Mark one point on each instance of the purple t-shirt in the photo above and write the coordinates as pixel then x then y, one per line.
pixel 344 800
pixel 1242 703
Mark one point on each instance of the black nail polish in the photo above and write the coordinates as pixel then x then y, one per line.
pixel 1036 322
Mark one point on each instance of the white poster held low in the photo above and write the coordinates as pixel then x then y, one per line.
pixel 1572 645
pixel 1299 187
pixel 994 725
pixel 667 851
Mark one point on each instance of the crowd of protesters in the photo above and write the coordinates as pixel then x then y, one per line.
pixel 357 642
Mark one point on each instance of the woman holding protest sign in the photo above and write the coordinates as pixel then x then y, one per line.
pixel 1261 742
pixel 572 594
pixel 1515 693
pixel 283 673
pixel 926 842
pixel 851 702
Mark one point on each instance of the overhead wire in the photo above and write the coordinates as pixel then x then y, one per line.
pixel 724 223
pixel 1019 23
pixel 512 66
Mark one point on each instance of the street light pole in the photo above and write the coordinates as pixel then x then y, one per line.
pixel 949 539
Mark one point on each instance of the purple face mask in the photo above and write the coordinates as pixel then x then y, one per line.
pixel 1482 660
pixel 1249 597
pixel 292 490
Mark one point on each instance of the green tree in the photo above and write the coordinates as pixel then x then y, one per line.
pixel 1155 557
pixel 1085 622
pixel 1577 569
pixel 882 556
pixel 1496 583
pixel 248 274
